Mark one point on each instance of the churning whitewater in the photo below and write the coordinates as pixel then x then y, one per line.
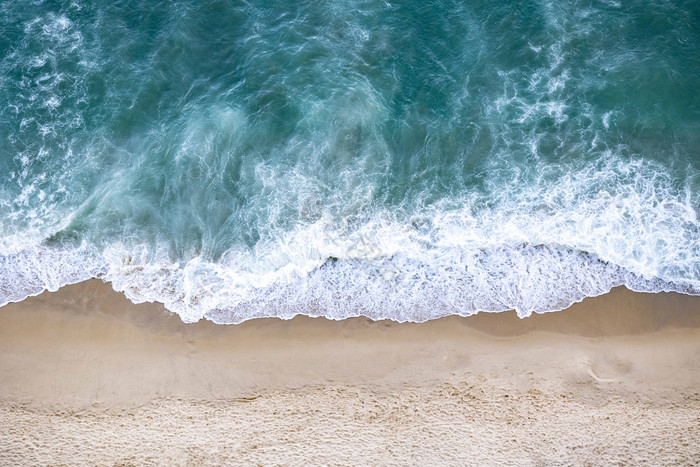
pixel 408 160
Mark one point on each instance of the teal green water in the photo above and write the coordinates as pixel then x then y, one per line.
pixel 403 160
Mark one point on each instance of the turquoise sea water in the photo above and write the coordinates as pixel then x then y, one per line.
pixel 404 160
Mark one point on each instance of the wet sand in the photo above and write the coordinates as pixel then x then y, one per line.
pixel 87 377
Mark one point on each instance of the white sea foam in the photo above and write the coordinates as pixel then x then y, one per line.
pixel 536 250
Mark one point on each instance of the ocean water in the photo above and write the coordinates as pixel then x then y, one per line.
pixel 403 160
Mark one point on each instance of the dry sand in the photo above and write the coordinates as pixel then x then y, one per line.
pixel 86 377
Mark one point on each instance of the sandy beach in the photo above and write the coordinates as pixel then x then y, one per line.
pixel 87 377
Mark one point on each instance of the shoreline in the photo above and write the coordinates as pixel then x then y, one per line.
pixel 84 363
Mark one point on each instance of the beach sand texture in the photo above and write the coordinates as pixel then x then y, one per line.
pixel 89 378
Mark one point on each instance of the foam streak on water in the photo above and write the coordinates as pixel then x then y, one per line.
pixel 403 161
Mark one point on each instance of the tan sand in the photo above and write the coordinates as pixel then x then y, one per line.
pixel 86 377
